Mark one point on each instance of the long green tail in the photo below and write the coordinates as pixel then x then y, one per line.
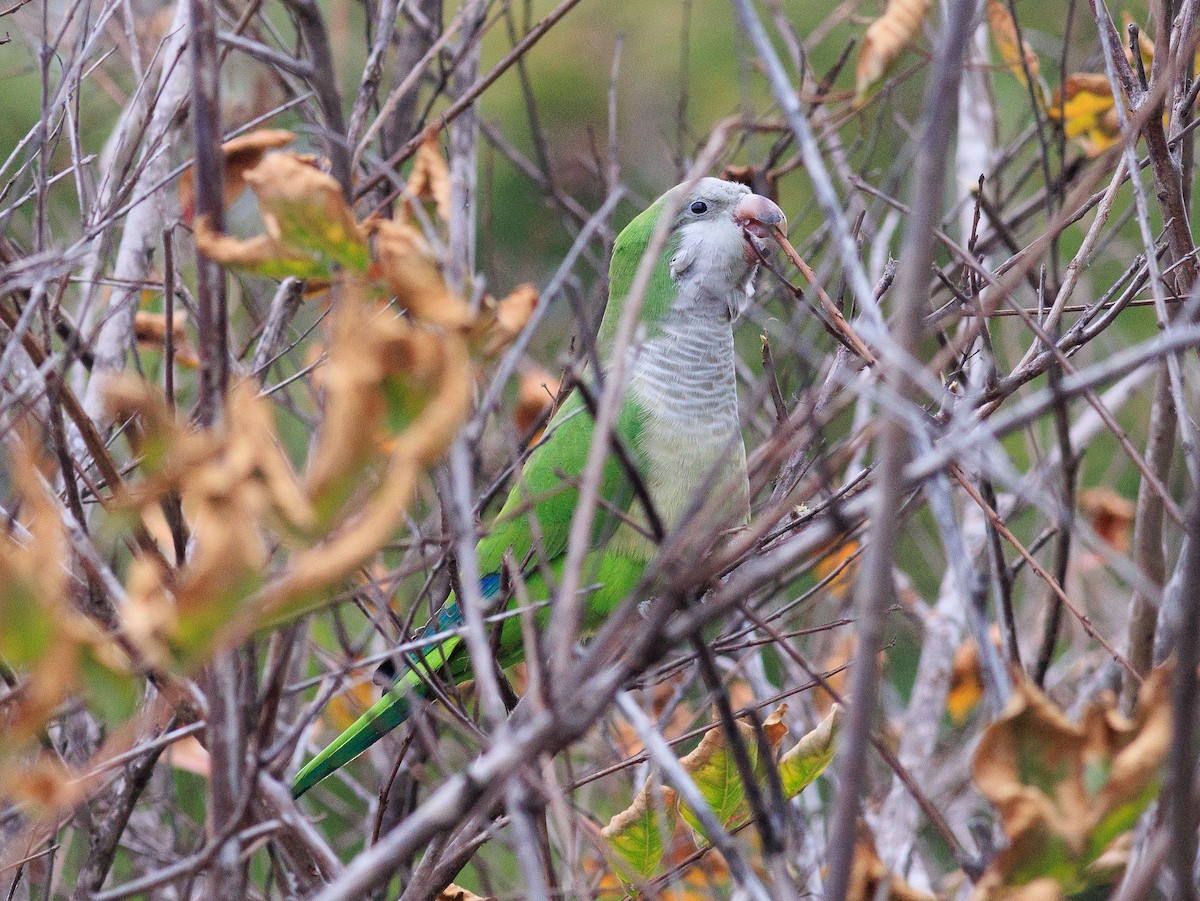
pixel 389 712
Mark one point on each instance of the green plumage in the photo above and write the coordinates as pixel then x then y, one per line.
pixel 545 488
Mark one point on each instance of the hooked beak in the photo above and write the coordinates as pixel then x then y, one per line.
pixel 759 216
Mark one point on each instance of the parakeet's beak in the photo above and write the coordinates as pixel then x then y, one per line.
pixel 758 215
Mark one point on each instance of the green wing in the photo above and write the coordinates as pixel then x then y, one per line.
pixel 546 489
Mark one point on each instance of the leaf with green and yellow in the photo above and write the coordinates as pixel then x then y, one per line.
pixel 642 835
pixel 1068 793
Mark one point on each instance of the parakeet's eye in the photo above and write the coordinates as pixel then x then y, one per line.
pixel 699 206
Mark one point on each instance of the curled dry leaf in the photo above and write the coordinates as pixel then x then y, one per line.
pixel 150 329
pixel 261 255
pixel 33 606
pixel 55 649
pixel 504 319
pixel 886 37
pixel 46 785
pixel 241 154
pixel 380 373
pixel 1066 792
pixel 406 264
pixel 1004 33
pixel 232 481
pixel 425 380
pixel 430 177
pixel 310 227
pixel 304 207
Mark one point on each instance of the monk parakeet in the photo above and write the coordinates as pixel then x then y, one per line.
pixel 678 423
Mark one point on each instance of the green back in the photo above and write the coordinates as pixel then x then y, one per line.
pixel 630 245
pixel 547 487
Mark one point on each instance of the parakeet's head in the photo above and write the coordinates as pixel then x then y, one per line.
pixel 710 250
pixel 716 224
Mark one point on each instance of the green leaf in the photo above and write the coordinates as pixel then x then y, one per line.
pixel 637 835
pixel 27 627
pixel 713 768
pixel 112 694
pixel 811 755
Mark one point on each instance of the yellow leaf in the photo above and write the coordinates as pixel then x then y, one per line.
pixel 840 563
pixel 261 255
pixel 1145 45
pixel 811 755
pixel 966 683
pixel 1086 108
pixel 886 37
pixel 304 208
pixel 1004 33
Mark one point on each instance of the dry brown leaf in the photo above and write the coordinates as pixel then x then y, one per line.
pixel 305 208
pixel 867 873
pixel 504 318
pixel 189 755
pixel 1065 791
pixel 148 617
pixel 430 177
pixel 405 262
pixel 437 364
pixel 232 481
pixel 1110 515
pixel 536 392
pixel 241 154
pixel 1004 33
pixel 886 37
pixel 681 717
pixel 368 348
pixel 838 657
pixel 45 785
pixel 453 892
pixel 150 329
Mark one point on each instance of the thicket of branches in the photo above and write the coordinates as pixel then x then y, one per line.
pixel 265 382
